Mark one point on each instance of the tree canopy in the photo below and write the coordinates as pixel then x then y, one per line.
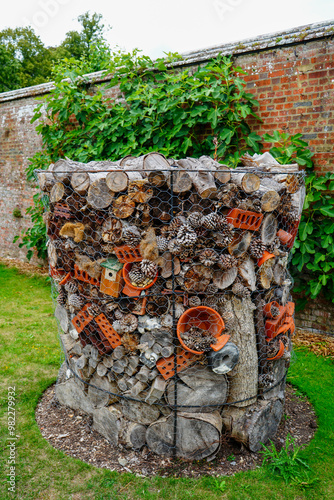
pixel 25 61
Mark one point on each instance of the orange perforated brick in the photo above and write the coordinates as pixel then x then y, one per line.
pixel 82 319
pixel 57 273
pixel 81 275
pixel 244 219
pixel 63 210
pixel 166 365
pixel 128 254
pixel 111 335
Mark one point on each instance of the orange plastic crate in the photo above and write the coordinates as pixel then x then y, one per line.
pixel 166 365
pixel 128 254
pixel 244 219
pixel 81 275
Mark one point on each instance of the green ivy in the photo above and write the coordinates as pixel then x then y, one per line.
pixel 176 111
pixel 313 252
pixel 179 112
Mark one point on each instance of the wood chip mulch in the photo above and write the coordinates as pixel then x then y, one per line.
pixel 320 344
pixel 24 267
pixel 71 431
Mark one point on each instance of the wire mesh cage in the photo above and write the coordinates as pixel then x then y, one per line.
pixel 173 297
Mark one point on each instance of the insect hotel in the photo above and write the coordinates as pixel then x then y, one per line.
pixel 173 296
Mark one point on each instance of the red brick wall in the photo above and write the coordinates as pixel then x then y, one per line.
pixel 18 142
pixel 291 75
pixel 294 87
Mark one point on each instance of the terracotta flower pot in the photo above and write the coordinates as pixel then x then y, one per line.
pixel 129 289
pixel 284 237
pixel 267 309
pixel 205 318
pixel 266 255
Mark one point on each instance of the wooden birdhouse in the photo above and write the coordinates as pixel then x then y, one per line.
pixel 111 278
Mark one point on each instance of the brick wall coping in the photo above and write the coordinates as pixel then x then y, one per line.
pixel 278 39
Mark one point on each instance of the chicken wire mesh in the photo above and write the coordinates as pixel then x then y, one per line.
pixel 172 296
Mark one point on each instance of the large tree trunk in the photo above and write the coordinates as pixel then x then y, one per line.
pixel 244 378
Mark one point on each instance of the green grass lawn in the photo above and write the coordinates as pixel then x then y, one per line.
pixel 30 359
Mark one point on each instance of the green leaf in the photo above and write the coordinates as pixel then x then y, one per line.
pixel 226 135
pixel 252 140
pixel 328 212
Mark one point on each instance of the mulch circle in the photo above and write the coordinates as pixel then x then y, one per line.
pixel 71 431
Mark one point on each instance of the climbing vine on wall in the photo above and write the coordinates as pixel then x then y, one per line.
pixel 163 108
pixel 180 112
pixel 313 254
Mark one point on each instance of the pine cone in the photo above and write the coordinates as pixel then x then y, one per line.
pixel 132 236
pixel 136 275
pixel 271 247
pixel 93 310
pixel 129 323
pixel 273 348
pixel 208 257
pixel 186 236
pixel 274 311
pixel 75 301
pixel 240 290
pixel 162 243
pixel 174 247
pixel 211 289
pixel 71 286
pixel 210 301
pixel 224 237
pixel 62 297
pixel 212 221
pixel 118 314
pixel 222 300
pixel 195 219
pixel 266 380
pixel 149 268
pixel 194 301
pixel 174 226
pixel 227 261
pixel 117 326
pixel 257 248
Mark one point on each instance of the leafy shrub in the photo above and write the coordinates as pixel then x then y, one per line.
pixel 164 108
pixel 313 253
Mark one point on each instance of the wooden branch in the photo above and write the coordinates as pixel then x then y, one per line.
pixel 159 166
pixel 203 180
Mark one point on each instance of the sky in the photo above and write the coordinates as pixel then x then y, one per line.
pixel 158 26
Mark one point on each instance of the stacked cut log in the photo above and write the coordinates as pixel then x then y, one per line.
pixel 136 246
